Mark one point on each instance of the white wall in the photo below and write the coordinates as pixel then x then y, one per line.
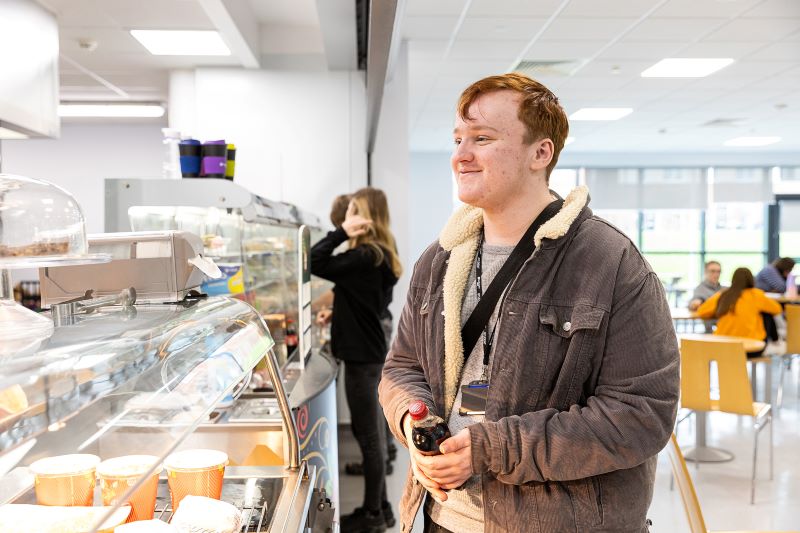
pixel 431 190
pixel 390 169
pixel 84 156
pixel 299 135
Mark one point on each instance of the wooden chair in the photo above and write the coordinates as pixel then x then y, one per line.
pixel 792 346
pixel 735 395
pixel 686 488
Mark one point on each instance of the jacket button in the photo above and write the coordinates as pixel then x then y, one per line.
pixel 567 326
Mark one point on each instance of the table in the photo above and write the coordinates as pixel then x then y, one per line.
pixel 701 452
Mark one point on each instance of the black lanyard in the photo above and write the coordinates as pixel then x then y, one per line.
pixel 488 338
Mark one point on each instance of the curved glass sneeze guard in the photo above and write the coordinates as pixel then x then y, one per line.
pixel 122 382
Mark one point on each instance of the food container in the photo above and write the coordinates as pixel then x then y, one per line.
pixel 66 480
pixel 196 473
pixel 119 474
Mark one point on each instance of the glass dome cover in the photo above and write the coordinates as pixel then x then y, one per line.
pixel 41 225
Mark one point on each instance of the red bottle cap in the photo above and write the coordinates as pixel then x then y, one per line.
pixel 418 410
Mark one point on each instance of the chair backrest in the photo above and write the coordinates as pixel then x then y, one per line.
pixel 792 328
pixel 685 487
pixel 735 395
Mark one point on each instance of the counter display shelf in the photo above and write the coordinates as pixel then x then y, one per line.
pixel 140 379
pixel 256 243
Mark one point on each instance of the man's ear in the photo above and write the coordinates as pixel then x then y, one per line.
pixel 542 155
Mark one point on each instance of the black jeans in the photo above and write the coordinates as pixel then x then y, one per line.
pixel 369 427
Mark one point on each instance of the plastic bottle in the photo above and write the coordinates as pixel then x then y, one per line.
pixel 427 430
pixel 171 167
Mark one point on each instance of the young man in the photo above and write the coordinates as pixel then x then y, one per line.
pixel 708 287
pixel 582 360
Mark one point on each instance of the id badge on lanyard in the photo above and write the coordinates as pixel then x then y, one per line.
pixel 475 393
pixel 473 398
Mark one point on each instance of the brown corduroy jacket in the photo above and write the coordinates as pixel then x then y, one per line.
pixel 584 381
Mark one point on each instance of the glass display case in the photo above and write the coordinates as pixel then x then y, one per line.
pixel 252 239
pixel 256 242
pixel 132 380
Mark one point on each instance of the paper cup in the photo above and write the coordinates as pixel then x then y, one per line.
pixel 119 474
pixel 195 472
pixel 65 479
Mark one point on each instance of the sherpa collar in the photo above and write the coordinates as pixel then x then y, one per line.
pixel 460 238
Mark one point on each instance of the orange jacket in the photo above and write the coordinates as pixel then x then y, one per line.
pixel 745 320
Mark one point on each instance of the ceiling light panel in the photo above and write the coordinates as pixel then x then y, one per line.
pixel 182 42
pixel 752 141
pixel 601 113
pixel 111 110
pixel 8 134
pixel 686 67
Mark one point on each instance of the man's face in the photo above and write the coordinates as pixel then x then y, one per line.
pixel 490 160
pixel 712 273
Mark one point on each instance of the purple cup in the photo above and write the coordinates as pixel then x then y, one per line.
pixel 214 159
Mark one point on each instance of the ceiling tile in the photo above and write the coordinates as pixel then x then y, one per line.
pixel 586 29
pixel 783 51
pixel 500 28
pixel 157 14
pixel 641 50
pixel 512 8
pixel 776 8
pixel 736 50
pixel 704 9
pixel 474 69
pixel 426 8
pixel 479 49
pixel 756 29
pixel 683 30
pixel 428 27
pixel 562 50
pixel 595 9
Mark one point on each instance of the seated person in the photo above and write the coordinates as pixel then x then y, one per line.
pixel 708 287
pixel 739 309
pixel 772 277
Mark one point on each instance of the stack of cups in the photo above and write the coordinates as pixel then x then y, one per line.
pixel 65 479
pixel 118 475
pixel 196 473
pixel 214 160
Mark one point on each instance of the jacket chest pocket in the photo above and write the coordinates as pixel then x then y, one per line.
pixel 568 340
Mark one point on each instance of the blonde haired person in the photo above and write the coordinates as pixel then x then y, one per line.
pixel 363 278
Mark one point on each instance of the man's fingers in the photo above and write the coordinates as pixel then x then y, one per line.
pixel 456 442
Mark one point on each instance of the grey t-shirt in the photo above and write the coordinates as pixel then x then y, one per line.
pixel 463 510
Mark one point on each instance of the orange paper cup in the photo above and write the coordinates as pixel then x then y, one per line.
pixel 195 472
pixel 119 474
pixel 65 479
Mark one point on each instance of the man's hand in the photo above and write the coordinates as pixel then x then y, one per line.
pixel 694 304
pixel 454 466
pixel 355 225
pixel 430 485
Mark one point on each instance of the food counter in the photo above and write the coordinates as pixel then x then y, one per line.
pixel 140 379
pixel 258 244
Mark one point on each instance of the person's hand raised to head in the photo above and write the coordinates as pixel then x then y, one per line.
pixel 354 224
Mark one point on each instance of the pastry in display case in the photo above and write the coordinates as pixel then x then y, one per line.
pixel 99 420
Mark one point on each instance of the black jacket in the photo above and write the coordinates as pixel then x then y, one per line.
pixel 360 297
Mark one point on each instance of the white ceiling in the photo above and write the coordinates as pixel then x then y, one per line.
pixel 286 27
pixel 454 42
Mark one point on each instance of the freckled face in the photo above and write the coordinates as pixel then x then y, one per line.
pixel 490 160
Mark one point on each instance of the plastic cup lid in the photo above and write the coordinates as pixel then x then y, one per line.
pixel 128 466
pixel 60 465
pixel 196 459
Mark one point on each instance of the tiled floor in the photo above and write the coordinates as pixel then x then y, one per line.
pixel 723 488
